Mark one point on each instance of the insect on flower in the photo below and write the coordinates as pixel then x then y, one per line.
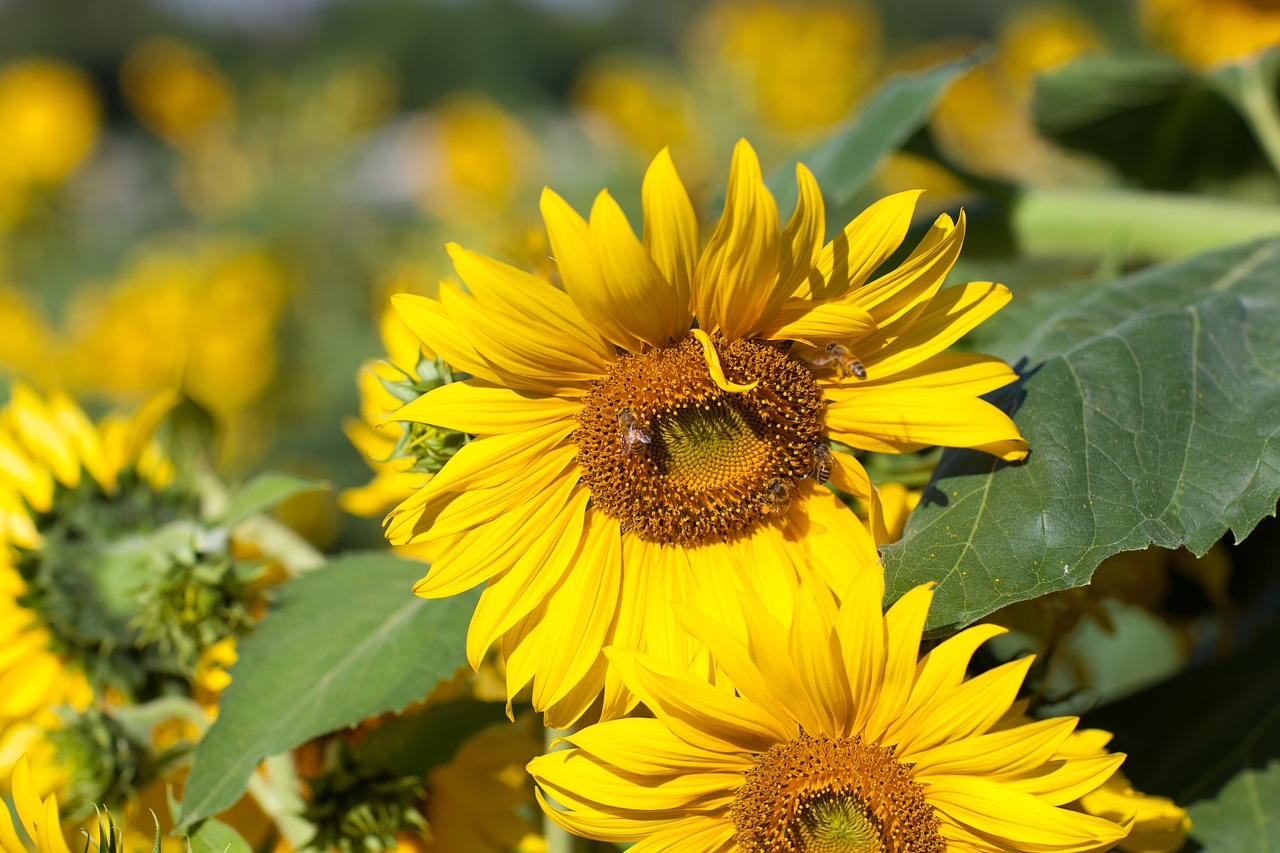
pixel 846 362
pixel 631 434
pixel 777 495
pixel 822 462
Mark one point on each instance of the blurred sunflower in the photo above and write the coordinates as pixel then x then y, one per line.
pixel 837 739
pixel 1206 32
pixel 121 594
pixel 627 458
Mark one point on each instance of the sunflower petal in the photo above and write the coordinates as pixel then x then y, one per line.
pixel 714 367
pixel 670 229
pixel 861 247
pixel 738 273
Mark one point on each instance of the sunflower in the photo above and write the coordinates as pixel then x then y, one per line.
pixel 1208 32
pixel 836 739
pixel 659 428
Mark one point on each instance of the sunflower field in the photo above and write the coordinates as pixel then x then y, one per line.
pixel 678 426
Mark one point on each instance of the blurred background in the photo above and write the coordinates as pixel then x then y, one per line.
pixel 223 193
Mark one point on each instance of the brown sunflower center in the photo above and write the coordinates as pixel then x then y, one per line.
pixel 833 795
pixel 678 460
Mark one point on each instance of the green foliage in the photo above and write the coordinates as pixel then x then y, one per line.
pixel 1149 116
pixel 1210 738
pixel 416 743
pixel 343 643
pixel 214 836
pixel 849 157
pixel 265 491
pixel 1150 407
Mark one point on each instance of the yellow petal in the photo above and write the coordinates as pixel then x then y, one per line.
pixel 814 323
pixel 713 365
pixel 35 426
pixel 504 288
pixel 1018 820
pixel 482 408
pixel 580 613
pixel 860 625
pixel 491 543
pixel 902 421
pixel 529 355
pixel 670 227
pixel 951 313
pixel 968 373
pixel 904 625
pixel 695 711
pixel 737 276
pixel 529 579
pixel 896 298
pixel 646 746
pixel 861 247
pixel 768 682
pixel 634 303
pixel 802 238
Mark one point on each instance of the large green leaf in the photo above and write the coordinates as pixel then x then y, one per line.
pixel 1150 406
pixel 846 160
pixel 345 642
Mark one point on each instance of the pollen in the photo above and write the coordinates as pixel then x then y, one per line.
pixel 678 460
pixel 833 795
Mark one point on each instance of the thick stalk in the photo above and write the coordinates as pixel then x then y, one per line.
pixel 1257 102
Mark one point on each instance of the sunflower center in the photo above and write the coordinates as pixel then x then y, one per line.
pixel 833 795
pixel 678 460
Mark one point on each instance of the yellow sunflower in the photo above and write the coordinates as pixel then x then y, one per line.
pixel 837 739
pixel 660 427
pixel 1207 32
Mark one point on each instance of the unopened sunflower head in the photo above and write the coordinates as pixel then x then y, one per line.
pixel 661 426
pixel 837 738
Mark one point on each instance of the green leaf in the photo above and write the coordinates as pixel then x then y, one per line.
pixel 1097 86
pixel 846 160
pixel 1150 408
pixel 413 745
pixel 265 491
pixel 1152 118
pixel 343 643
pixel 1210 739
pixel 1243 816
pixel 214 836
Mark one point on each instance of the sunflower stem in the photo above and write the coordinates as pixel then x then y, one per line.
pixel 558 840
pixel 1133 223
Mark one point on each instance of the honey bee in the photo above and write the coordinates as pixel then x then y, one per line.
pixel 631 435
pixel 846 362
pixel 777 495
pixel 822 462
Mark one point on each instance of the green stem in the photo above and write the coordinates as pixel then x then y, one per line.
pixel 1257 103
pixel 1131 223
